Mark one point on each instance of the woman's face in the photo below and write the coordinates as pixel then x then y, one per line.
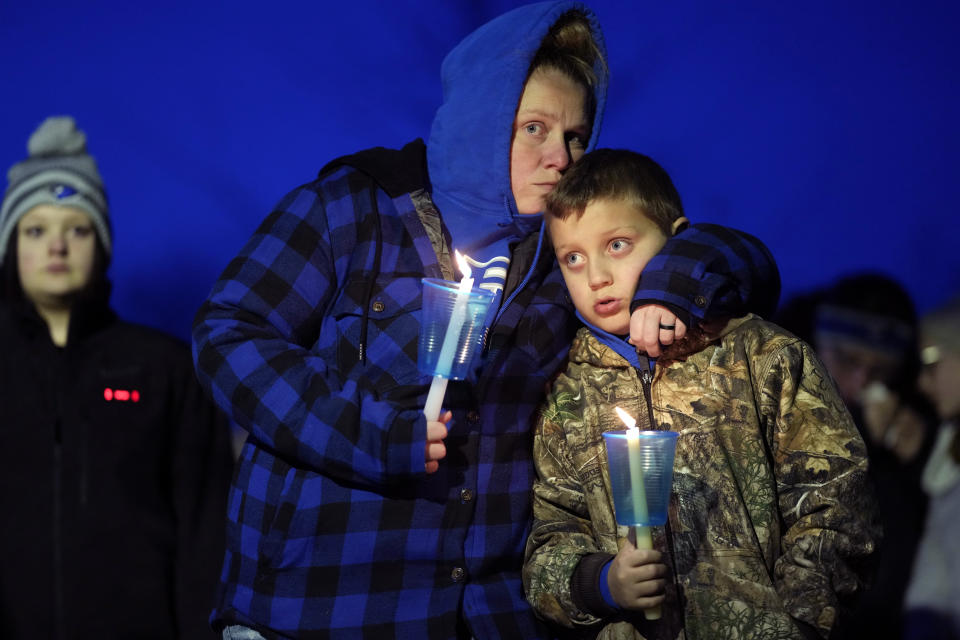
pixel 550 132
pixel 55 254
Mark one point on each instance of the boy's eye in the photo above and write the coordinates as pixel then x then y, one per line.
pixel 619 245
pixel 534 128
pixel 573 259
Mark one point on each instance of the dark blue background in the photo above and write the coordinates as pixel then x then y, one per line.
pixel 828 129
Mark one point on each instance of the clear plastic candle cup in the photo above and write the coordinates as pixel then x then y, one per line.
pixel 451 328
pixel 641 501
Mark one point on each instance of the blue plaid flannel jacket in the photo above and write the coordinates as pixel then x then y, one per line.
pixel 309 340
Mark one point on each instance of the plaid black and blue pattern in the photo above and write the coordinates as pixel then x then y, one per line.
pixel 334 528
pixel 710 271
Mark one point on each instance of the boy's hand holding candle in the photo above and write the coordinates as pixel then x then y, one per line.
pixel 636 571
pixel 637 490
pixel 637 578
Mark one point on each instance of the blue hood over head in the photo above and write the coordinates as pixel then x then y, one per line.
pixel 468 152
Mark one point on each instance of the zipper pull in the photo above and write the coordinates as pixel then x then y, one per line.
pixel 646 380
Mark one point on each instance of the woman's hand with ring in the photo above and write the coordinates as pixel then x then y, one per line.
pixel 653 326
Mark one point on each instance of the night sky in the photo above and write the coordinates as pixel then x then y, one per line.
pixel 827 129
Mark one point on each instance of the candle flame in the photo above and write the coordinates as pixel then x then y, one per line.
pixel 627 419
pixel 462 264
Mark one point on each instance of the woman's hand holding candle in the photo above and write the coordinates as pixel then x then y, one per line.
pixel 438 387
pixel 435 449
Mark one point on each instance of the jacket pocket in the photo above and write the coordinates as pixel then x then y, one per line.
pixel 730 595
pixel 283 489
pixel 387 333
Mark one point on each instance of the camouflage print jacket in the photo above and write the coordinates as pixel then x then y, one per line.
pixel 771 517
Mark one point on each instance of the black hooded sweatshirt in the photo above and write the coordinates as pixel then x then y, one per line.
pixel 114 469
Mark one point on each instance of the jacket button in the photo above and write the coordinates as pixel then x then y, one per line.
pixel 466 495
pixel 378 306
pixel 457 574
pixel 700 301
pixel 473 417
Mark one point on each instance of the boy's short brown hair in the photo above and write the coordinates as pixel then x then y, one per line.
pixel 617 174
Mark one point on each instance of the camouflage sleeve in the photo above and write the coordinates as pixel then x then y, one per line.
pixel 561 534
pixel 827 504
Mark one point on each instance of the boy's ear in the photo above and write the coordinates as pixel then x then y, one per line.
pixel 679 225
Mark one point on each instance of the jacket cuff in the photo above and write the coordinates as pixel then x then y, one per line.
pixel 689 298
pixel 403 442
pixel 585 585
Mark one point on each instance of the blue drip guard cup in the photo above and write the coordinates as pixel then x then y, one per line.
pixel 448 348
pixel 653 457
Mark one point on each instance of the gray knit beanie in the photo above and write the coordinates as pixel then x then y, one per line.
pixel 59 171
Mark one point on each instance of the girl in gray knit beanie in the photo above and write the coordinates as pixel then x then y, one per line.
pixel 114 465
pixel 58 171
pixel 55 238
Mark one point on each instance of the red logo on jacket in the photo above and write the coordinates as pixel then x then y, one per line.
pixel 121 395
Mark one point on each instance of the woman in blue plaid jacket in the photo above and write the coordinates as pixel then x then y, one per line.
pixel 350 515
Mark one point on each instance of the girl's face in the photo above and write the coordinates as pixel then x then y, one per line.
pixel 55 254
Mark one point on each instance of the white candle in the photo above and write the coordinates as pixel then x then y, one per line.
pixel 458 316
pixel 638 492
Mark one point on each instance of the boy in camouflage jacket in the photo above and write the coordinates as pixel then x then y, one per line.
pixel 771 518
